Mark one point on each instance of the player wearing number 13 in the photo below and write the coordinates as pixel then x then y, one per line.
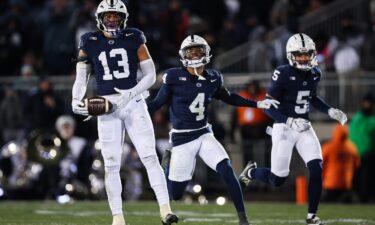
pixel 295 86
pixel 115 53
pixel 189 91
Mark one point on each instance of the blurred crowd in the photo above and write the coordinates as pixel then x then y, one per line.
pixel 41 138
pixel 35 34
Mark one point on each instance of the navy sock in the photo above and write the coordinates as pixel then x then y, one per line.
pixel 233 186
pixel 315 184
pixel 176 189
pixel 266 176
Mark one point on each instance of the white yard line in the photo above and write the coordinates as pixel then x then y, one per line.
pixel 217 218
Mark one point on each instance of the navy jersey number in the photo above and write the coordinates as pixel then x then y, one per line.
pixel 302 103
pixel 197 106
pixel 121 63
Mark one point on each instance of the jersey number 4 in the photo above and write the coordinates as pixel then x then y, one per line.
pixel 197 106
pixel 121 63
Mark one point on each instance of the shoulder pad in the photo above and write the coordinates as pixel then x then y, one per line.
pixel 138 34
pixel 169 75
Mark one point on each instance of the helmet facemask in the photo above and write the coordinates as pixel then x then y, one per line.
pixel 299 45
pixel 110 25
pixel 306 64
pixel 194 52
pixel 106 14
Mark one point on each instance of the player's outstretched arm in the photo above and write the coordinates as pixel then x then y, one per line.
pixel 161 98
pixel 334 113
pixel 83 68
pixel 268 103
pixel 338 115
pixel 237 100
pixel 147 68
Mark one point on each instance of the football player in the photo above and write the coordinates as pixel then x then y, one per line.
pixel 295 87
pixel 115 53
pixel 189 90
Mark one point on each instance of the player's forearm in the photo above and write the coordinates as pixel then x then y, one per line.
pixel 236 100
pixel 160 99
pixel 276 115
pixel 148 78
pixel 80 83
pixel 319 104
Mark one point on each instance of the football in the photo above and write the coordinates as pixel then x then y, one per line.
pixel 98 105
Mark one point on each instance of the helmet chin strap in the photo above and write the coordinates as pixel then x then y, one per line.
pixel 195 71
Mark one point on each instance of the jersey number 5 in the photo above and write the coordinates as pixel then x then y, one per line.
pixel 302 106
pixel 197 106
pixel 122 63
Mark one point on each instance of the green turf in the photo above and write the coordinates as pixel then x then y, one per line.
pixel 146 213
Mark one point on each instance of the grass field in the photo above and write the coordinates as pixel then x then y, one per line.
pixel 146 213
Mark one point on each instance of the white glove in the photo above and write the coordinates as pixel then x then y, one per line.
pixel 126 96
pixel 338 115
pixel 267 103
pixel 78 107
pixel 298 124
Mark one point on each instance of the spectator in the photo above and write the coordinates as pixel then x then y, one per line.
pixel 161 127
pixel 43 108
pixel 133 175
pixel 11 116
pixel 341 160
pixel 59 42
pixel 75 166
pixel 362 133
pixel 252 122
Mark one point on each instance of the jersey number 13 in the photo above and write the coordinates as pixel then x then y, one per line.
pixel 121 63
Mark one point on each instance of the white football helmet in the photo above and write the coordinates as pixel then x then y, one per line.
pixel 301 43
pixel 111 6
pixel 194 41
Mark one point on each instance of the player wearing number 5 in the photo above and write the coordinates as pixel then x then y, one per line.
pixel 189 90
pixel 295 86
pixel 115 53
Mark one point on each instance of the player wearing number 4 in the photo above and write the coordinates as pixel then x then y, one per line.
pixel 115 53
pixel 189 90
pixel 295 87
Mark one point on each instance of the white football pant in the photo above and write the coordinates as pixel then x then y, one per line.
pixel 182 163
pixel 284 139
pixel 135 119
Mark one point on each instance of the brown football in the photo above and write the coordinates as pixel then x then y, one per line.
pixel 98 105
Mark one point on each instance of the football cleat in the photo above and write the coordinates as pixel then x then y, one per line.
pixel 244 177
pixel 165 161
pixel 244 223
pixel 242 217
pixel 314 221
pixel 169 219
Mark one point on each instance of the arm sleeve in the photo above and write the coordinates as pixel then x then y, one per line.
pixel 276 115
pixel 234 99
pixel 164 95
pixel 230 98
pixel 82 78
pixel 161 98
pixel 320 104
pixel 148 76
pixel 275 92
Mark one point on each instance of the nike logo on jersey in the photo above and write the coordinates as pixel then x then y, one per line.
pixel 292 78
pixel 138 100
pixel 213 80
pixel 316 78
pixel 93 38
pixel 127 35
pixel 182 78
